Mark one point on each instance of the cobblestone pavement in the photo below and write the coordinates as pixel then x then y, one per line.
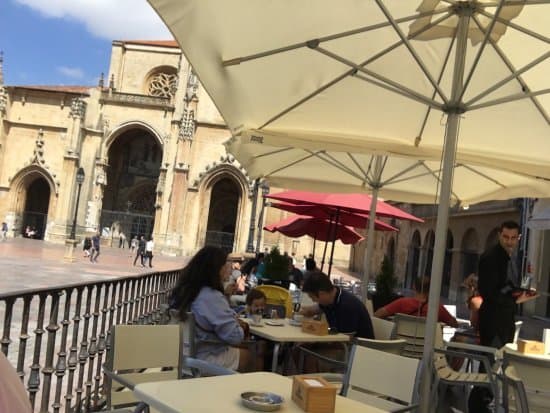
pixel 27 263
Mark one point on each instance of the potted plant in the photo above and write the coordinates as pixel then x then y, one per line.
pixel 276 268
pixel 386 282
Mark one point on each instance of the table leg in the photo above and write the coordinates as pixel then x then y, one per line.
pixel 276 348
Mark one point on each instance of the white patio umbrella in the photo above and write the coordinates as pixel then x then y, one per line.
pixel 380 75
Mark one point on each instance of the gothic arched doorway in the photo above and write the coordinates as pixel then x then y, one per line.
pixel 222 214
pixel 470 254
pixel 35 213
pixel 130 195
pixel 447 265
pixel 413 260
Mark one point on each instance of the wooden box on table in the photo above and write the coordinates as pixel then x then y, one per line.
pixel 313 394
pixel 317 327
pixel 530 347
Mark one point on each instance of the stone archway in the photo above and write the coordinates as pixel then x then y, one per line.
pixel 447 265
pixel 129 198
pixel 35 212
pixel 428 248
pixel 32 201
pixel 413 260
pixel 222 214
pixel 469 252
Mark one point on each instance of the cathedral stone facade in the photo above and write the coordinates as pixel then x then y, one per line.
pixel 150 142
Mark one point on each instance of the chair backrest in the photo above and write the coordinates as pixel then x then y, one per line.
pixel 370 307
pixel 413 330
pixel 373 372
pixel 389 346
pixel 515 396
pixel 277 297
pixel 383 329
pixel 519 324
pixel 142 353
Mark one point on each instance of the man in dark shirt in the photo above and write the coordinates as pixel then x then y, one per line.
pixel 344 312
pixel 498 282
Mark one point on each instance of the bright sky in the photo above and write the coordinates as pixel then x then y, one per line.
pixel 68 42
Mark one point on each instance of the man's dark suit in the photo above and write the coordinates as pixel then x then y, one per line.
pixel 498 310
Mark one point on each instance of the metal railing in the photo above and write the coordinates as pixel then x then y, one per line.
pixel 61 335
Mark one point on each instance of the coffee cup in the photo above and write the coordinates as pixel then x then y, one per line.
pixel 298 317
pixel 256 318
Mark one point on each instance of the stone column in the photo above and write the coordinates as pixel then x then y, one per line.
pixel 456 276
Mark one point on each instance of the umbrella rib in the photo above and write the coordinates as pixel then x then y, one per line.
pixel 356 162
pixel 393 178
pixel 516 26
pixel 415 56
pixel 514 75
pixel 352 71
pixel 438 179
pixel 516 3
pixel 337 164
pixel 274 152
pixel 290 164
pixel 512 98
pixel 386 83
pixel 308 43
pixel 482 175
pixel 444 66
pixel 480 51
pixel 512 69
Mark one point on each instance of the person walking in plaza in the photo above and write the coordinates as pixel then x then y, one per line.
pixel 149 251
pixel 140 251
pixel 122 240
pixel 498 284
pixel 4 231
pixel 133 245
pixel 95 248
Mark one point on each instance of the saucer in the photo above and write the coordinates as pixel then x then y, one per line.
pixel 277 323
pixel 294 323
pixel 262 401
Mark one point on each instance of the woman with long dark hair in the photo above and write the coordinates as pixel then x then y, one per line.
pixel 200 290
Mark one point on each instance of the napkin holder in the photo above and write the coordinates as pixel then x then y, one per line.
pixel 313 394
pixel 316 327
pixel 530 347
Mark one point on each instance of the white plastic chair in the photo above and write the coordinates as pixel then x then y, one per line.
pixel 140 354
pixel 390 346
pixel 383 329
pixel 383 380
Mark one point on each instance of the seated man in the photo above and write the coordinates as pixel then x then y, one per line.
pixel 417 305
pixel 344 312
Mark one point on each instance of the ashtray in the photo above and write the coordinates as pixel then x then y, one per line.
pixel 275 322
pixel 262 401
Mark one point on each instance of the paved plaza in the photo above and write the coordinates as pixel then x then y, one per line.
pixel 27 263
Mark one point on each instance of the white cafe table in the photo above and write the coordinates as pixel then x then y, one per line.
pixel 513 348
pixel 223 394
pixel 287 333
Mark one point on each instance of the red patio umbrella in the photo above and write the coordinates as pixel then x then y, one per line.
pixel 323 230
pixel 352 219
pixel 297 226
pixel 355 203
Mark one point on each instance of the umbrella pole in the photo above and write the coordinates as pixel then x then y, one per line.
pixel 326 243
pixel 334 233
pixel 449 156
pixel 370 232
